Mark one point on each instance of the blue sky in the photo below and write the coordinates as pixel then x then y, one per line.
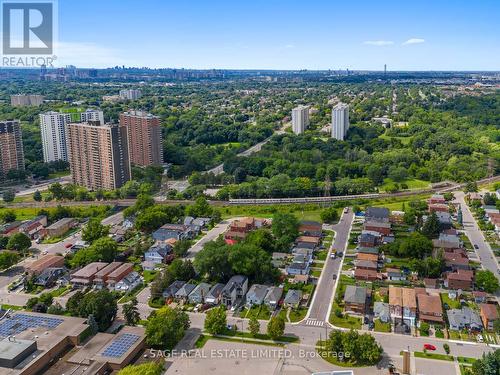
pixel 279 34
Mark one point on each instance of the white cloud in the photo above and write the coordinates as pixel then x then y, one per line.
pixel 378 42
pixel 414 41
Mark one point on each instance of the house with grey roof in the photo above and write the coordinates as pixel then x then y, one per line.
pixel 293 298
pixel 235 289
pixel 464 318
pixel 355 299
pixel 256 294
pixel 214 295
pixel 273 297
pixel 377 214
pixel 173 288
pixel 184 291
pixel 199 293
pixel 298 269
pixel 381 311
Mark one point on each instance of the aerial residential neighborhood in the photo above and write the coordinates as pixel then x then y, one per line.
pixel 282 188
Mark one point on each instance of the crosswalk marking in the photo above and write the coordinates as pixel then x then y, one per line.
pixel 314 322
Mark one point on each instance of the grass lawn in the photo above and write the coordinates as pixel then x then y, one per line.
pixel 442 357
pixel 282 314
pixel 318 264
pixel 58 174
pixel 412 184
pixel 302 212
pixel 404 140
pixel 260 336
pixel 149 276
pixel 260 312
pixel 128 297
pixel 316 273
pixel 382 327
pixel 296 315
pixel 345 321
pixel 396 203
pixel 453 304
pixel 321 255
pixel 201 341
pixel 466 360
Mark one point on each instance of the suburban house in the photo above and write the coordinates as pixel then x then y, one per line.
pixel 86 275
pixel 438 207
pixel 464 318
pixel 7 230
pixel 129 282
pixel 235 289
pixel 395 274
pixel 184 291
pixel 49 276
pixel 214 295
pixel 47 261
pixel 239 229
pixel 273 297
pixel 279 259
pixel 456 260
pixel 366 265
pixel 368 240
pixel 403 305
pixel 366 275
pixel 101 276
pixel 298 269
pixel 175 231
pixel 367 250
pixel 256 294
pixel 436 199
pixel 118 274
pixel 489 314
pixel 157 253
pixel 378 226
pixel 172 289
pixel 377 214
pixel 479 296
pixel 355 299
pixel 199 293
pixel 308 239
pixel 292 298
pixel 461 279
pixel 429 308
pixel 430 283
pixel 33 227
pixel 60 227
pixel 311 228
pixel 381 311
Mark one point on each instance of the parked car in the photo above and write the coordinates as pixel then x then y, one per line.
pixel 68 245
pixel 476 246
pixel 333 255
pixel 429 347
pixel 334 276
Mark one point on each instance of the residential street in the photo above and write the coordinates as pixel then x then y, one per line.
pixel 476 237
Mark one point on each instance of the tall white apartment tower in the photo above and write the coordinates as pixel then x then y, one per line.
pixel 300 119
pixel 340 121
pixel 53 130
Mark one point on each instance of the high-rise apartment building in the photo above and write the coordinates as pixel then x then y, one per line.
pixel 130 94
pixel 11 147
pixel 53 129
pixel 98 155
pixel 144 137
pixel 300 119
pixel 340 121
pixel 26 100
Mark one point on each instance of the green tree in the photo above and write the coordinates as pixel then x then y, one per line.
pixel 285 228
pixel 9 196
pixel 37 196
pixel 101 304
pixel 181 270
pixel 166 327
pixel 7 216
pixel 181 247
pixel 213 261
pixel 19 242
pixel 330 215
pixel 131 312
pixel 93 326
pixel 254 325
pixel 201 208
pixel 8 258
pixel 216 320
pixel 56 190
pixel 431 227
pixel 486 280
pixel 276 327
pixel 149 368
pixel 104 250
pixel 94 230
pixel 488 364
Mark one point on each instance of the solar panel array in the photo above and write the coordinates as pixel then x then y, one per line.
pixel 120 345
pixel 21 322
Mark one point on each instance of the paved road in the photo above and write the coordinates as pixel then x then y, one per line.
pixel 475 235
pixel 211 235
pixel 320 306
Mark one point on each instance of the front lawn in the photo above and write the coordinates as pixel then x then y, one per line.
pixel 296 315
pixel 382 327
pixel 344 320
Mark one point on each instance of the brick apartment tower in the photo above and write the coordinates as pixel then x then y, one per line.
pixel 144 137
pixel 98 155
pixel 11 147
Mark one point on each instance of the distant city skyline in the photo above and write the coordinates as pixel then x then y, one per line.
pixel 362 35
